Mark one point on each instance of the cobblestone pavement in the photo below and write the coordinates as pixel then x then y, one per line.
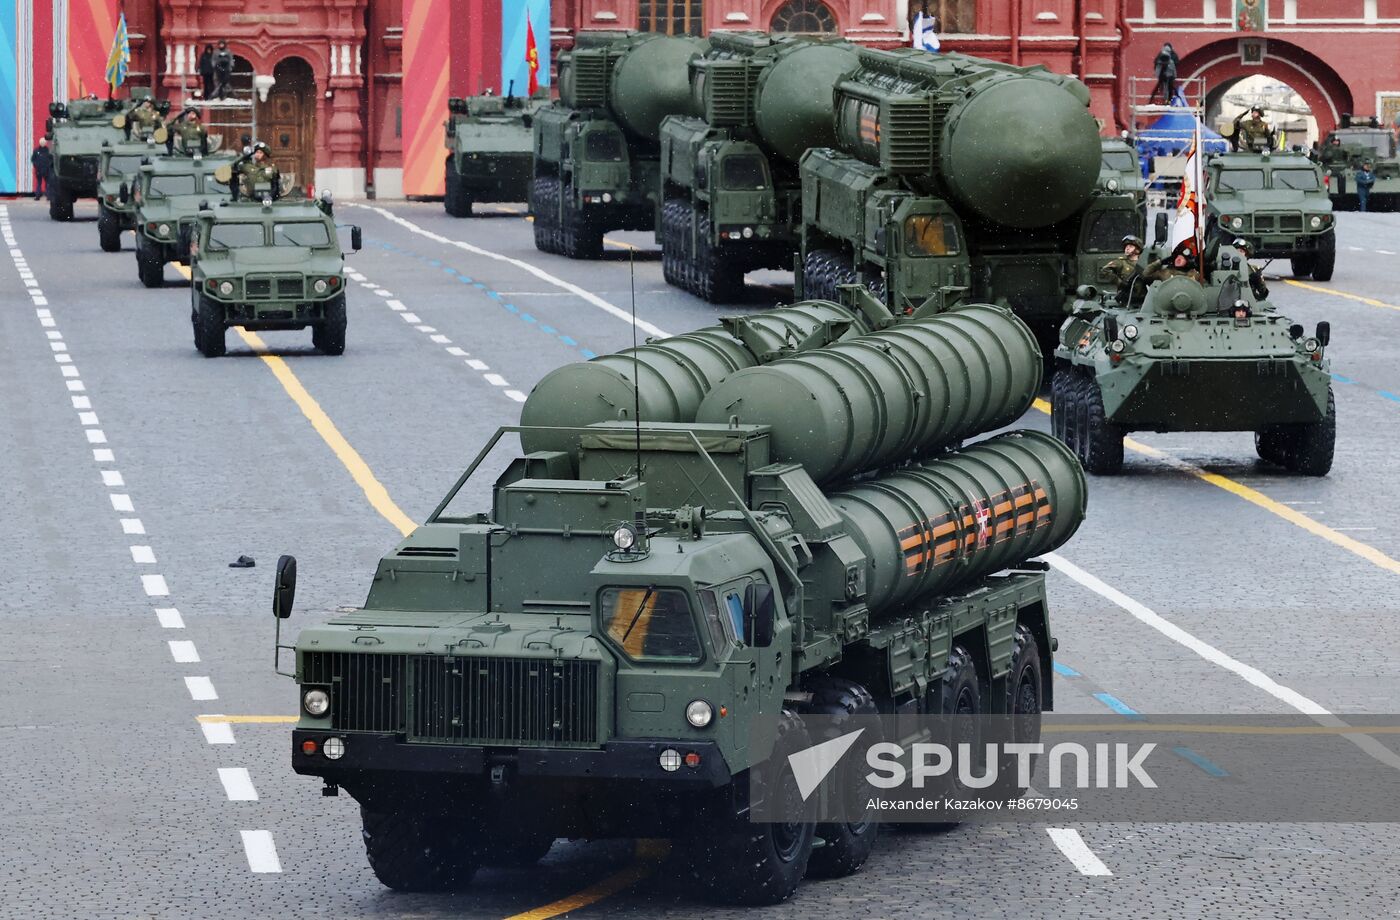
pixel 143 736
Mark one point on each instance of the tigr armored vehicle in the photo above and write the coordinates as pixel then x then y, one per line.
pixel 1193 357
pixel 77 131
pixel 268 265
pixel 731 193
pixel 1276 201
pixel 117 168
pixel 711 586
pixel 168 194
pixel 490 150
pixel 1120 172
pixel 1362 139
pixel 597 155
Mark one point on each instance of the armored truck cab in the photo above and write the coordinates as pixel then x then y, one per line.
pixel 77 131
pixel 168 194
pixel 1278 203
pixel 118 168
pixel 268 265
pixel 1361 139
pixel 1120 172
pixel 490 150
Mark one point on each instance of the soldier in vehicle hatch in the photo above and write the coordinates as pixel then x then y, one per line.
pixel 1182 263
pixel 1122 270
pixel 144 119
pixel 190 132
pixel 1255 134
pixel 257 176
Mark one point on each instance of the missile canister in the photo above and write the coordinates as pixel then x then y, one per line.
pixel 889 396
pixel 675 373
pixel 1016 145
pixel 928 528
pixel 640 78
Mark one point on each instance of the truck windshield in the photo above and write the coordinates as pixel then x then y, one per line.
pixel 1120 161
pixel 1302 179
pixel 743 172
pixel 930 235
pixel 121 166
pixel 235 236
pixel 651 624
pixel 302 233
pixel 603 145
pixel 1241 180
pixel 1106 230
pixel 172 185
pixel 1379 141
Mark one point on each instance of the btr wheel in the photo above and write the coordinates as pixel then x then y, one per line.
pixel 516 851
pixel 150 267
pixel 409 851
pixel 60 201
pixel 329 335
pixel 1310 446
pixel 1024 703
pixel 456 201
pixel 845 845
pixel 1060 385
pixel 1103 440
pixel 1303 264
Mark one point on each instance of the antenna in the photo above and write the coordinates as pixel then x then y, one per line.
pixel 636 363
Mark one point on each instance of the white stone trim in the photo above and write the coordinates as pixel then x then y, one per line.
pixel 343 181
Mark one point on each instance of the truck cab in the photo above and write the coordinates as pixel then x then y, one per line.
pixel 118 167
pixel 1278 203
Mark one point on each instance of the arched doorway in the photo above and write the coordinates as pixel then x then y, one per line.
pixel 1226 62
pixel 287 122
pixel 1285 108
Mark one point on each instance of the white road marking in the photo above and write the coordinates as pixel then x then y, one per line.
pixel 103 455
pixel 76 386
pixel 383 293
pixel 112 478
pixel 46 321
pixel 410 318
pixel 133 526
pixel 81 402
pixel 87 418
pixel 496 380
pixel 457 352
pixel 217 732
pixel 170 618
pixel 183 651
pixel 1356 249
pixel 238 785
pixel 96 436
pixel 1077 851
pixel 68 370
pixel 59 346
pixel 1386 252
pixel 476 365
pixel 261 851
pixel 54 335
pixel 63 359
pixel 516 395
pixel 396 305
pixel 201 688
pixel 121 502
pixel 155 585
pixel 143 555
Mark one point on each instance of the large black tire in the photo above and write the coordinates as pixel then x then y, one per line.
pixel 456 201
pixel 1061 385
pixel 150 268
pixel 1310 447
pixel 1102 452
pixel 516 852
pixel 415 852
pixel 209 332
pixel 715 281
pixel 581 240
pixel 670 241
pixel 759 864
pixel 845 846
pixel 1303 264
pixel 1024 703
pixel 60 202
pixel 1326 257
pixel 109 230
pixel 329 335
pixel 544 206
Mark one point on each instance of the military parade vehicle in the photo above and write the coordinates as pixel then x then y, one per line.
pixel 490 150
pixel 1361 139
pixel 268 265
pixel 168 193
pixel 117 167
pixel 597 155
pixel 731 193
pixel 77 131
pixel 1120 172
pixel 931 197
pixel 1186 356
pixel 713 582
pixel 1278 203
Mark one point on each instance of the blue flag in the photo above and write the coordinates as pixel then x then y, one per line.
pixel 120 57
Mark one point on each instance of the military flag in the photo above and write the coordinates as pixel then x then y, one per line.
pixel 925 32
pixel 1187 225
pixel 532 55
pixel 119 59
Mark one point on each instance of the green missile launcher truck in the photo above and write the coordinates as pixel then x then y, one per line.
pixel 711 584
pixel 1357 140
pixel 731 193
pixel 1278 203
pixel 490 150
pixel 1120 172
pixel 597 156
pixel 77 130
pixel 168 194
pixel 119 166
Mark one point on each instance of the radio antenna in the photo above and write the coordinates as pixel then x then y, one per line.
pixel 636 362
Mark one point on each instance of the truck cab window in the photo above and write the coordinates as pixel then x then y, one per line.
pixel 930 235
pixel 651 624
pixel 1304 180
pixel 172 185
pixel 743 172
pixel 603 146
pixel 1106 229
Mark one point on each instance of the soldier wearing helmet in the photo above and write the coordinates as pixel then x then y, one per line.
pixel 257 176
pixel 1256 277
pixel 1253 135
pixel 1122 270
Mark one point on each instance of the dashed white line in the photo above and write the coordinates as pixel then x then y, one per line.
pixel 238 785
pixel 96 436
pixel 183 651
pixel 87 418
pixel 410 318
pixel 121 502
pixel 68 370
pixel 112 478
pixel 155 585
pixel 516 395
pixel 457 352
pixel 476 365
pixel 143 555
pixel 59 346
pixel 440 339
pixel 1386 252
pixel 103 455
pixel 81 402
pixel 261 851
pixel 496 380
pixel 133 526
pixel 201 688
pixel 170 618
pixel 1077 851
pixel 217 732
pixel 75 386
pixel 396 305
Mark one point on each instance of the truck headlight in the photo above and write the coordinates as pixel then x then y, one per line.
pixel 163 229
pixel 607 197
pixel 748 233
pixel 699 713
pixel 1311 344
pixel 1130 332
pixel 1316 222
pixel 1117 347
pixel 1236 223
pixel 1113 185
pixel 624 538
pixel 316 702
pixel 670 760
pixel 333 748
pixel 226 288
pixel 320 286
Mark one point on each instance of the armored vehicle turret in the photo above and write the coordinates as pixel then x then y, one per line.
pixel 490 149
pixel 597 149
pixel 1278 203
pixel 118 167
pixel 1357 140
pixel 1186 356
pixel 168 193
pixel 77 131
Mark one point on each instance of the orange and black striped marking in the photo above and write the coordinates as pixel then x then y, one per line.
pixel 970 529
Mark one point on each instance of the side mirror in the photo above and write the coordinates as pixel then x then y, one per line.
pixel 1160 228
pixel 759 615
pixel 284 587
pixel 356 239
pixel 124 193
pixel 1324 332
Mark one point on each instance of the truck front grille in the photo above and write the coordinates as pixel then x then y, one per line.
pixel 1279 222
pixel 275 287
pixel 531 702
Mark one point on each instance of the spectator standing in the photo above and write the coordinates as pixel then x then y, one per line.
pixel 1166 64
pixel 1365 178
pixel 42 161
pixel 206 71
pixel 223 71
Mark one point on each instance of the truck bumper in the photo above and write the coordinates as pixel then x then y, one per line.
pixel 1283 247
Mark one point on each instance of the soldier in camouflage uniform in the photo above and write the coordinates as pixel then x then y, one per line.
pixel 1255 134
pixel 144 120
pixel 190 133
pixel 258 176
pixel 1181 263
pixel 1121 270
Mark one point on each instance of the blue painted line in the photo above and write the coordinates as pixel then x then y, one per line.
pixel 1389 395
pixel 434 263
pixel 448 270
pixel 550 330
pixel 468 280
pixel 1118 706
pixel 493 294
pixel 513 308
pixel 528 318
pixel 1206 765
pixel 1065 670
pixel 478 284
pixel 590 355
pixel 567 341
pixel 1340 379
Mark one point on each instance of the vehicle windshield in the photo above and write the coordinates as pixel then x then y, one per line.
pixel 121 166
pixel 1301 179
pixel 1106 229
pixel 603 145
pixel 173 185
pixel 235 236
pixel 743 172
pixel 1241 180
pixel 651 623
pixel 930 235
pixel 1379 141
pixel 301 233
pixel 1120 161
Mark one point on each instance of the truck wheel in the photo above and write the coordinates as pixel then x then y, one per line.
pixel 209 328
pixel 1303 264
pixel 759 864
pixel 1270 443
pixel 1310 446
pixel 668 241
pixel 1059 405
pixel 716 282
pixel 60 202
pixel 1103 441
pixel 1326 257
pixel 543 209
pixel 1025 701
pixel 109 231
pixel 516 852
pixel 846 845
pixel 329 335
pixel 455 201
pixel 581 240
pixel 150 268
pixel 411 852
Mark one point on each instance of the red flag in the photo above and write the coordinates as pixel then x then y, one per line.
pixel 532 56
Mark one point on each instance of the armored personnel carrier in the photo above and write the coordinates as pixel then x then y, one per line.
pixel 712 587
pixel 118 167
pixel 168 193
pixel 1276 201
pixel 77 131
pixel 597 156
pixel 490 150
pixel 268 265
pixel 1193 357
pixel 1356 140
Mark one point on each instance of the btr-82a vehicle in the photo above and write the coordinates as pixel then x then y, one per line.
pixel 168 192
pixel 77 130
pixel 1187 356
pixel 118 167
pixel 1278 203
pixel 1356 140
pixel 491 150
pixel 268 265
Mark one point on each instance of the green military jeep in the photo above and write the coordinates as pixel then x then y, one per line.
pixel 77 132
pixel 168 193
pixel 118 167
pixel 1278 203
pixel 268 265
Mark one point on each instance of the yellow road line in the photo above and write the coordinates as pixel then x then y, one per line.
pixel 245 720
pixel 1259 499
pixel 1370 301
pixel 649 854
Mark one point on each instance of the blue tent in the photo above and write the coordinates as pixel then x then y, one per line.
pixel 1172 133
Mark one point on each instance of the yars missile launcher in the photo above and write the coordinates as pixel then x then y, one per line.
pixel 731 192
pixel 490 148
pixel 597 151
pixel 1362 139
pixel 118 167
pixel 959 178
pixel 77 130
pixel 705 594
pixel 1193 357
pixel 168 192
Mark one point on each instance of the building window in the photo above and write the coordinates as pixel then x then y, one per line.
pixel 950 16
pixel 804 16
pixel 671 17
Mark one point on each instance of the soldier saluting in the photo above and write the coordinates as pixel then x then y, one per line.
pixel 192 135
pixel 1254 135
pixel 144 119
pixel 256 176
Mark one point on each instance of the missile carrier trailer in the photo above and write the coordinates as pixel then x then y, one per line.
pixel 77 130
pixel 706 597
pixel 490 150
pixel 731 192
pixel 597 152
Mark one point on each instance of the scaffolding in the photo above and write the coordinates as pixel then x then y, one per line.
pixel 1164 172
pixel 233 118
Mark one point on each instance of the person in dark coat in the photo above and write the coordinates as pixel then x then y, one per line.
pixel 1166 65
pixel 42 161
pixel 223 71
pixel 206 71
pixel 1364 179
